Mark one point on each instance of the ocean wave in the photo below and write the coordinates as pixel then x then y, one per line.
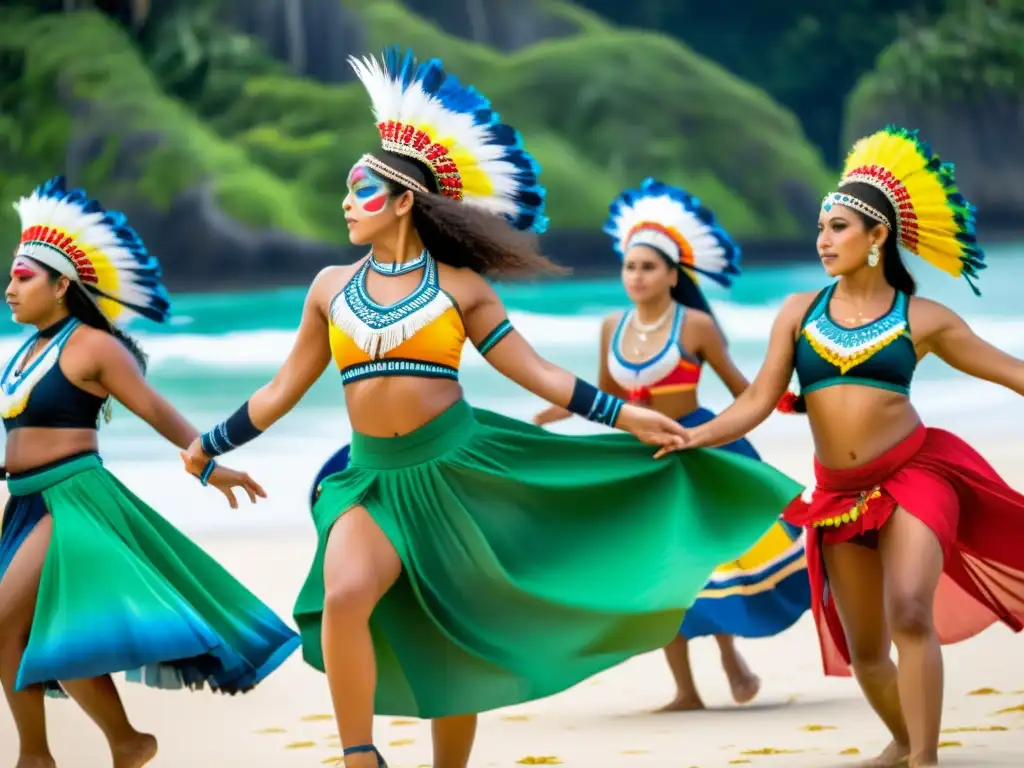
pixel 746 325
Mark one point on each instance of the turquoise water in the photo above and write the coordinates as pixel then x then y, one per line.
pixel 219 348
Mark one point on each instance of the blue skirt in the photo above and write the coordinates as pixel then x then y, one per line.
pixel 759 594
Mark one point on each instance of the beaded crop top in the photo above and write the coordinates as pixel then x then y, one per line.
pixel 878 354
pixel 421 335
pixel 38 394
pixel 670 370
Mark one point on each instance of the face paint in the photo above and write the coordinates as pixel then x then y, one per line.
pixel 369 191
pixel 23 267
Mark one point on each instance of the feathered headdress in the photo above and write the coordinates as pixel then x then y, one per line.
pixel 933 220
pixel 673 221
pixel 74 235
pixel 426 114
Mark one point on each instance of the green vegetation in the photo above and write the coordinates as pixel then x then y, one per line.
pixel 974 51
pixel 599 109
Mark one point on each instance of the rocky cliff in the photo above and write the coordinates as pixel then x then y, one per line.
pixel 961 83
pixel 226 128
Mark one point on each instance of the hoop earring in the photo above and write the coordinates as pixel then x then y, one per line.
pixel 873 256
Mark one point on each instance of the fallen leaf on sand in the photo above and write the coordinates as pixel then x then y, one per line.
pixel 816 728
pixel 271 730
pixel 738 762
pixel 401 742
pixel 1011 710
pixel 984 692
pixel 301 745
pixel 635 752
pixel 850 751
pixel 944 744
pixel 332 760
pixel 976 729
pixel 404 722
pixel 316 718
pixel 516 718
pixel 545 760
pixel 771 751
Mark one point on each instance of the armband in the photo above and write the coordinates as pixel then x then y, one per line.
pixel 501 330
pixel 228 435
pixel 204 477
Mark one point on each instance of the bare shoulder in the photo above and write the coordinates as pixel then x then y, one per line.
pixel 94 341
pixel 90 350
pixel 611 320
pixel 700 320
pixel 921 304
pixel 927 315
pixel 330 280
pixel 796 305
pixel 467 287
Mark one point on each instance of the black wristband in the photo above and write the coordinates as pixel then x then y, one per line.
pixel 228 435
pixel 591 403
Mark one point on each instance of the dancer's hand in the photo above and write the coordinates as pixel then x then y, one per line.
pixel 195 458
pixel 222 478
pixel 653 428
pixel 225 479
pixel 550 415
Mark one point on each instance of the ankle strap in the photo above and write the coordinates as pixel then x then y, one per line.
pixel 364 748
pixel 360 748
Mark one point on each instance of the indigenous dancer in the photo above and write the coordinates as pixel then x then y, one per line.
pixel 466 560
pixel 911 534
pixel 653 355
pixel 93 581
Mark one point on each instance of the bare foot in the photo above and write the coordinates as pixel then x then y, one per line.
pixel 893 756
pixel 136 752
pixel 35 761
pixel 683 704
pixel 745 687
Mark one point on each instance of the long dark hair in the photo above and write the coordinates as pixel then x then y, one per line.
pixel 464 235
pixel 893 269
pixel 84 309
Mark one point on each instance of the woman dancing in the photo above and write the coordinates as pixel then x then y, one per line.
pixel 653 355
pixel 93 581
pixel 911 534
pixel 469 561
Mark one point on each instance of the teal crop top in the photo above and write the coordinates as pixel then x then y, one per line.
pixel 879 354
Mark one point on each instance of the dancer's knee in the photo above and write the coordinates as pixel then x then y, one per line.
pixel 910 617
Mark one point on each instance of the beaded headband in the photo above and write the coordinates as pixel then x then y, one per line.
pixel 842 198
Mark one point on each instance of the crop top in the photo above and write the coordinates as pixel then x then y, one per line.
pixel 421 335
pixel 670 370
pixel 41 395
pixel 878 354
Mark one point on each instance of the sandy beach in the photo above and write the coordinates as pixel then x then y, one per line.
pixel 800 718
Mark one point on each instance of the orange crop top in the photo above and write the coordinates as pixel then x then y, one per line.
pixel 421 335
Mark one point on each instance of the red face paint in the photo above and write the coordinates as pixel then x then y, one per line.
pixel 369 191
pixel 22 267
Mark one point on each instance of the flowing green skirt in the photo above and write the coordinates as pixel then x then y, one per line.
pixel 122 590
pixel 531 560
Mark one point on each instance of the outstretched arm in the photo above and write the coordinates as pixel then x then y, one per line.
pixel 488 326
pixel 950 338
pixel 117 371
pixel 757 401
pixel 604 379
pixel 308 358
